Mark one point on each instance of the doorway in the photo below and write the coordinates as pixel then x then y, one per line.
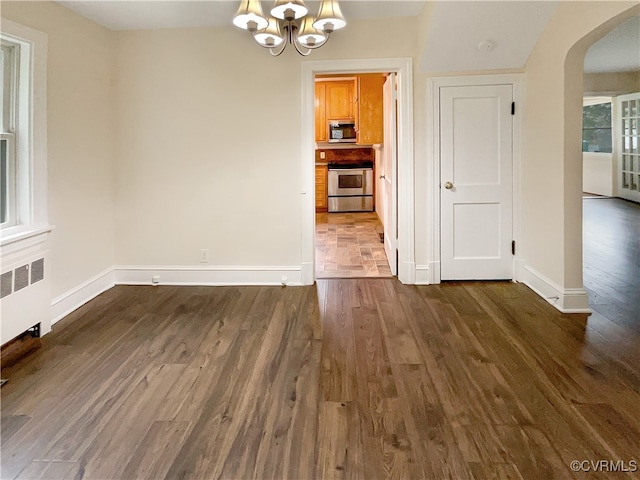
pixel 475 161
pixel 355 134
pixel 404 199
pixel 476 137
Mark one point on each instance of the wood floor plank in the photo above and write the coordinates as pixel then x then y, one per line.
pixel 301 456
pixel 399 338
pixel 108 453
pixel 11 424
pixel 333 439
pixel 157 450
pixel 338 356
pixel 285 400
pixel 430 435
pixel 203 450
pixel 372 360
pixel 46 470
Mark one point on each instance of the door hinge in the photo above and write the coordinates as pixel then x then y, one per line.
pixel 513 108
pixel 513 247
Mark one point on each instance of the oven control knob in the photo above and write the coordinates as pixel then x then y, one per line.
pixel 448 185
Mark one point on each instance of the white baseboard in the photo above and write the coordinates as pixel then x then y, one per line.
pixel 567 300
pixel 207 275
pixel 434 273
pixel 423 275
pixel 66 303
pixel 307 273
pixel 407 272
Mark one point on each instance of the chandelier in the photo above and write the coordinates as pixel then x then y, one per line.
pixel 281 28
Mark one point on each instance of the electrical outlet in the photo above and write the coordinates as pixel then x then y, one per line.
pixel 322 155
pixel 204 255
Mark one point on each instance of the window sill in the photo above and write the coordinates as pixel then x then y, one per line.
pixel 18 238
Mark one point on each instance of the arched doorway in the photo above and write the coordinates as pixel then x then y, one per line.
pixel 552 156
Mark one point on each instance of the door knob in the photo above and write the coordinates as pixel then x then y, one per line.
pixel 382 177
pixel 448 185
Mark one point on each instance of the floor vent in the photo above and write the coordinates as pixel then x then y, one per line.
pixel 6 284
pixel 21 277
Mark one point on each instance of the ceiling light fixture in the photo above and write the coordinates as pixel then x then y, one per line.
pixel 282 27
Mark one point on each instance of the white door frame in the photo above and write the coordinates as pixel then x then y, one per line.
pixel 433 160
pixel 406 225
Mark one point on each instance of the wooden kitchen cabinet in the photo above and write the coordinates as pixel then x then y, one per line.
pixel 321 112
pixel 370 109
pixel 357 97
pixel 334 100
pixel 322 200
pixel 340 99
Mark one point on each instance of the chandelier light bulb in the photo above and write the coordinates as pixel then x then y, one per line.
pixel 309 36
pixel 271 36
pixel 289 9
pixel 250 16
pixel 329 17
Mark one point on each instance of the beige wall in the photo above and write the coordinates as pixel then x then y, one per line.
pixel 80 140
pixel 611 84
pixel 598 176
pixel 209 143
pixel 552 156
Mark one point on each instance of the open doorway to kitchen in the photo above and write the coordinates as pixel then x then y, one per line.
pixel 355 133
pixel 403 202
pixel 355 145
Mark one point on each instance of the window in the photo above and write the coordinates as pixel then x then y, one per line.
pixel 23 136
pixel 629 182
pixel 596 128
pixel 9 73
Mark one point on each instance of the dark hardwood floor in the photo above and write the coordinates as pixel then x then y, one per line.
pixel 351 378
pixel 612 258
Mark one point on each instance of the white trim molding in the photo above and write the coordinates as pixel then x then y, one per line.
pixel 406 198
pixel 207 275
pixel 31 143
pixel 423 275
pixel 73 299
pixel 567 300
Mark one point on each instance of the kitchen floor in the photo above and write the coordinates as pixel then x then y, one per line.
pixel 349 245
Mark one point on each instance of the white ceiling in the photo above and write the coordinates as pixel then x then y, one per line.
pixel 150 14
pixel 618 51
pixel 456 31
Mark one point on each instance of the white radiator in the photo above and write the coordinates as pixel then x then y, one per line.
pixel 25 292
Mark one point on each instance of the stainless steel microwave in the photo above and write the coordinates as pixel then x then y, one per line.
pixel 342 131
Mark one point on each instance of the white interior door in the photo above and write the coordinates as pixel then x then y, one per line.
pixel 389 172
pixel 476 196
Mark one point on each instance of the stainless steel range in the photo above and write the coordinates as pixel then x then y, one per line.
pixel 351 187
